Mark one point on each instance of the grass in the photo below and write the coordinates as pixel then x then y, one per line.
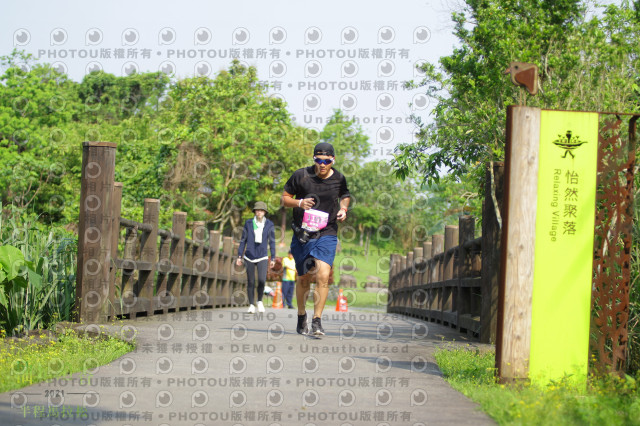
pixel 42 357
pixel 607 400
pixel 352 255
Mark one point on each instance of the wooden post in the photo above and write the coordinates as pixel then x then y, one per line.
pixel 127 293
pixel 491 244
pixel 174 284
pixel 94 231
pixel 391 271
pixel 409 272
pixel 162 299
pixel 115 236
pixel 437 246
pixel 148 256
pixel 236 277
pixel 426 275
pixel 466 226
pixel 396 283
pixel 418 265
pixel 225 293
pixel 516 283
pixel 417 271
pixel 391 288
pixel 403 268
pixel 428 254
pixel 397 279
pixel 187 273
pixel 214 243
pixel 450 241
pixel 221 277
pixel 199 265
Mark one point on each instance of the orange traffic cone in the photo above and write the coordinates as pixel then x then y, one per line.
pixel 341 304
pixel 277 298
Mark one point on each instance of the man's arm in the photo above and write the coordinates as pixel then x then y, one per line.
pixel 289 201
pixel 344 200
pixel 344 206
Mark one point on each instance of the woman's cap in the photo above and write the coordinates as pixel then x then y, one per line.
pixel 260 205
pixel 324 148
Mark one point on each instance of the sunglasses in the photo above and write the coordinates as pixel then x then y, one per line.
pixel 325 162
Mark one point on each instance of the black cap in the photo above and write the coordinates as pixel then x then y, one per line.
pixel 324 148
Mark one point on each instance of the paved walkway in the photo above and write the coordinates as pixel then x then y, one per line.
pixel 226 367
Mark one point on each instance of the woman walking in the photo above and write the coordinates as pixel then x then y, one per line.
pixel 258 232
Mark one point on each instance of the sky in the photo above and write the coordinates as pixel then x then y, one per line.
pixel 352 55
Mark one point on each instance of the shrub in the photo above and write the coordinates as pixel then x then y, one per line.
pixel 37 273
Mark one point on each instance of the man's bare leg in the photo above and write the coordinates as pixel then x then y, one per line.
pixel 302 293
pixel 323 270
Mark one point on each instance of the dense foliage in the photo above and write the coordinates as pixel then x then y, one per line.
pixel 588 59
pixel 37 272
pixel 208 146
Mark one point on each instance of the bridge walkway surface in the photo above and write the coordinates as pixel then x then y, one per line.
pixel 227 367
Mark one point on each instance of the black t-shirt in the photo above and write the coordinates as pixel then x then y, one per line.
pixel 326 193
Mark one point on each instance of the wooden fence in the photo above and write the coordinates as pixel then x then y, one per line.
pixel 452 279
pixel 155 271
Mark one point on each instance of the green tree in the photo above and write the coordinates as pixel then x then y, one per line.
pixel 376 196
pixel 585 62
pixel 107 97
pixel 230 143
pixel 404 214
pixel 368 219
pixel 346 136
pixel 36 104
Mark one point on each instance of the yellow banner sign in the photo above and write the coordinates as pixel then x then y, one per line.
pixel 565 217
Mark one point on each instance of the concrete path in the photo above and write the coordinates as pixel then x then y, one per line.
pixel 226 367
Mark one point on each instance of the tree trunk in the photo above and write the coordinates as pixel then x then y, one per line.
pixel 235 220
pixel 366 247
pixel 223 222
pixel 361 229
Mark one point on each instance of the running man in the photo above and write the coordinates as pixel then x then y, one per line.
pixel 318 187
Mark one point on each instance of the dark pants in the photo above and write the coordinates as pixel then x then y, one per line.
pixel 251 278
pixel 287 292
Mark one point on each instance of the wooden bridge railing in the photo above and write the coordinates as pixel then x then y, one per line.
pixel 156 271
pixel 453 278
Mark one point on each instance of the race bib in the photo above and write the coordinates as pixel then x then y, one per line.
pixel 314 220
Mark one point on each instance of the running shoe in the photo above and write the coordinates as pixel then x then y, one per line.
pixel 316 327
pixel 301 328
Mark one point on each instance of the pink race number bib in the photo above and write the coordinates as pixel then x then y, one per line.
pixel 314 220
